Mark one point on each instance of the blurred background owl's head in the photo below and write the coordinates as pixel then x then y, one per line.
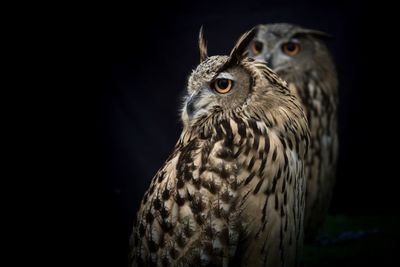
pixel 287 47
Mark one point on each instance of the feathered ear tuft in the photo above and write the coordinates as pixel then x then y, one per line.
pixel 318 34
pixel 237 53
pixel 202 46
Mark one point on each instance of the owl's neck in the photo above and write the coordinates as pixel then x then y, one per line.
pixel 311 86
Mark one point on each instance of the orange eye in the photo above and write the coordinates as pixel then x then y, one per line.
pixel 222 86
pixel 291 48
pixel 256 47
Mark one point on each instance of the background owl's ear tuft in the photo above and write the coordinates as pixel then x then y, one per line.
pixel 202 45
pixel 315 33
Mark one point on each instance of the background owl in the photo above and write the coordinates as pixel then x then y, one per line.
pixel 301 58
pixel 232 191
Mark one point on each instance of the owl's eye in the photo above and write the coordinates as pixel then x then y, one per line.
pixel 222 86
pixel 291 48
pixel 256 47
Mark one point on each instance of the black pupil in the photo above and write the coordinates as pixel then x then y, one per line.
pixel 222 83
pixel 258 46
pixel 291 46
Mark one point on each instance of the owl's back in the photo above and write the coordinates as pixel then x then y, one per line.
pixel 300 57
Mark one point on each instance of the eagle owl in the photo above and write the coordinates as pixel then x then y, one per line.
pixel 232 193
pixel 300 57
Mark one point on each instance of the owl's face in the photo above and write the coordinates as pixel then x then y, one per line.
pixel 286 46
pixel 212 87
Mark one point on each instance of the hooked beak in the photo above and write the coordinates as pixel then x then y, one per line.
pixel 268 60
pixel 191 103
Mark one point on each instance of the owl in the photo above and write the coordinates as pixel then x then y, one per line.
pixel 232 193
pixel 300 57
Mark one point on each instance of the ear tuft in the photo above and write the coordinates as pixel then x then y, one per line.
pixel 238 51
pixel 202 46
pixel 315 33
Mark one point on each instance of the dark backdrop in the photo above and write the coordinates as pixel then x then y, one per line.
pixel 137 69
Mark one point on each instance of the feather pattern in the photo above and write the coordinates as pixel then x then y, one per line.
pixel 232 191
pixel 311 76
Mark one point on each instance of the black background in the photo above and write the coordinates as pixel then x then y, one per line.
pixel 133 70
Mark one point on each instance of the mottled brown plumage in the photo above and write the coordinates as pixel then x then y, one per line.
pixel 300 57
pixel 232 191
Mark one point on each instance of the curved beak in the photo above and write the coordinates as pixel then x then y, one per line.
pixel 191 103
pixel 268 60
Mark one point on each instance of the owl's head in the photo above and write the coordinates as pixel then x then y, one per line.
pixel 221 84
pixel 286 47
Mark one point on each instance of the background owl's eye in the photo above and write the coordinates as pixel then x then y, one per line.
pixel 291 48
pixel 256 47
pixel 222 86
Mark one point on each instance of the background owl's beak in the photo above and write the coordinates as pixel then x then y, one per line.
pixel 268 60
